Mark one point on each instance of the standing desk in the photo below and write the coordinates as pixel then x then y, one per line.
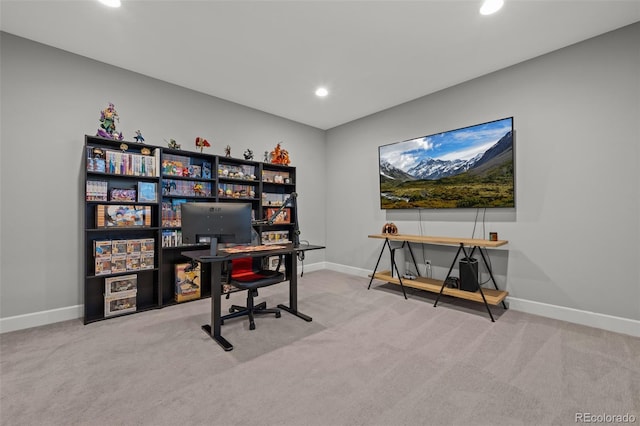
pixel 486 295
pixel 291 274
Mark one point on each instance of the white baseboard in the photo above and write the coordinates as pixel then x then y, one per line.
pixel 347 269
pixel 36 319
pixel 20 322
pixel 576 316
pixel 318 266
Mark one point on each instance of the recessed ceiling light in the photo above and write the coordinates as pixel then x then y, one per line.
pixel 321 92
pixel 110 3
pixel 491 6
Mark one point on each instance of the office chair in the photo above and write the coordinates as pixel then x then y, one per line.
pixel 246 274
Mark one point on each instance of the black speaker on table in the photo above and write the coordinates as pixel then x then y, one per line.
pixel 468 274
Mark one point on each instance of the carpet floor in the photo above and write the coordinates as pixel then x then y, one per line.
pixel 369 357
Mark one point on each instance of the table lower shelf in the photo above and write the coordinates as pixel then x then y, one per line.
pixel 493 297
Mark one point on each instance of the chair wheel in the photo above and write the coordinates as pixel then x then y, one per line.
pixel 252 326
pixel 221 322
pixel 278 315
pixel 231 310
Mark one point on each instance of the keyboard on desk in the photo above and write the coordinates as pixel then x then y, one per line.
pixel 251 249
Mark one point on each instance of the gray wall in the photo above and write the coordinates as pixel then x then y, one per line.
pixel 50 100
pixel 574 237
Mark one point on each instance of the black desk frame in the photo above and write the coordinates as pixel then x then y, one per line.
pixel 291 274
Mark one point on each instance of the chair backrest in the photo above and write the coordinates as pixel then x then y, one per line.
pixel 242 267
pixel 247 273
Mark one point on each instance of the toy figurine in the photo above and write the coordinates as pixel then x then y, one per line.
pixel 108 118
pixel 248 154
pixel 280 156
pixel 201 143
pixel 227 151
pixel 173 144
pixel 138 137
pixel 390 228
pixel 266 157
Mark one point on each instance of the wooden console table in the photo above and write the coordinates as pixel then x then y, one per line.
pixel 486 295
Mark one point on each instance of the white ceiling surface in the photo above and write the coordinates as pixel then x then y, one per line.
pixel 271 55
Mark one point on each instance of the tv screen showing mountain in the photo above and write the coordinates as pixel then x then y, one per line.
pixel 471 167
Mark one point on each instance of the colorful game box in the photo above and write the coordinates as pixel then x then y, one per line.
pixel 187 281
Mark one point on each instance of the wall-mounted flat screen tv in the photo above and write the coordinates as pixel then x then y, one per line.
pixel 471 167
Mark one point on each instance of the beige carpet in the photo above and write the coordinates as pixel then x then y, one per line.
pixel 368 358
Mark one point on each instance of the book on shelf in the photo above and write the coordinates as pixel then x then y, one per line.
pixel 171 238
pixel 95 159
pixel 125 163
pixel 147 192
pixel 187 281
pixel 126 195
pixel 206 170
pixel 175 165
pixel 122 216
pixel 97 190
pixel 119 286
pixel 195 171
pixel 186 188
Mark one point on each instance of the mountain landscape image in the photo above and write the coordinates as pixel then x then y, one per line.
pixel 470 167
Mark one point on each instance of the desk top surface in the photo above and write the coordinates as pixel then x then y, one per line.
pixel 440 240
pixel 204 255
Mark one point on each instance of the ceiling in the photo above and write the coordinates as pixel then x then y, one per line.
pixel 271 55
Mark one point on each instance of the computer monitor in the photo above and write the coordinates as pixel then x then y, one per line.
pixel 216 223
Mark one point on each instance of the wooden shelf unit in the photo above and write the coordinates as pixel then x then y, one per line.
pixel 483 295
pixel 494 297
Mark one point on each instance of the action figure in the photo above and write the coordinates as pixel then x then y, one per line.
pixel 108 118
